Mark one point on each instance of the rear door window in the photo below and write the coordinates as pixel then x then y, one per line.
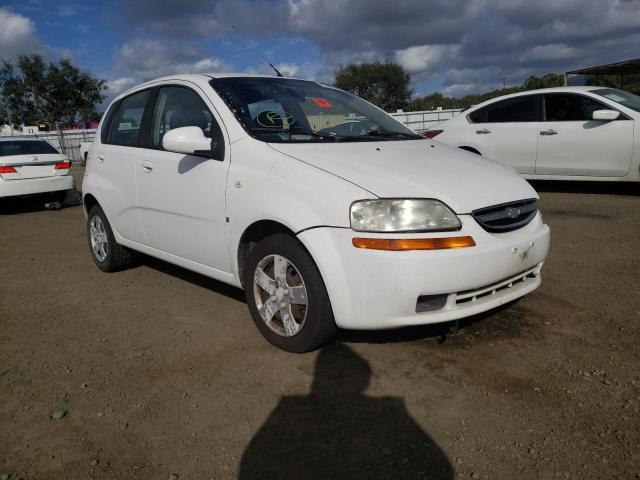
pixel 127 124
pixel 518 109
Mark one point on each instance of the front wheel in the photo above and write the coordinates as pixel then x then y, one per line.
pixel 286 295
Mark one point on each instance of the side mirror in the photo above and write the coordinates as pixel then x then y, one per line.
pixel 606 115
pixel 187 140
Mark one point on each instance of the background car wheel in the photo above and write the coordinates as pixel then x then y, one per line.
pixel 286 295
pixel 470 149
pixel 60 196
pixel 106 253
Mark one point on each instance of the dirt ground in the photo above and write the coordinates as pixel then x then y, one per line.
pixel 160 373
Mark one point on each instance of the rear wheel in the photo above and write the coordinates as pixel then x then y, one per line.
pixel 286 295
pixel 106 253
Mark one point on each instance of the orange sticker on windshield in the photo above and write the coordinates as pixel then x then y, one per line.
pixel 322 102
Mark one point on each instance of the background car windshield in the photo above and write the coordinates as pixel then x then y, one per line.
pixel 285 110
pixel 26 147
pixel 627 99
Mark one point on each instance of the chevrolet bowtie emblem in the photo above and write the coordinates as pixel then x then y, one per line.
pixel 513 212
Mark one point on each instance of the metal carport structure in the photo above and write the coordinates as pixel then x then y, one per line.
pixel 620 69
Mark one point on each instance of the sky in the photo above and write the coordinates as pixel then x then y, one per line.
pixel 455 47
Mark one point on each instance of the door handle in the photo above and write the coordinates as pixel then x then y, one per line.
pixel 147 166
pixel 484 131
pixel 101 158
pixel 551 131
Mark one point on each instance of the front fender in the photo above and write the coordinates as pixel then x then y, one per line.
pixel 264 184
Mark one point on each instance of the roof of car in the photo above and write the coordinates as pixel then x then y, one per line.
pixel 575 89
pixel 195 77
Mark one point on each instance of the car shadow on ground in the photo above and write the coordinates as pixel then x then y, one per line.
pixel 602 188
pixel 37 203
pixel 339 432
pixel 191 277
pixel 441 331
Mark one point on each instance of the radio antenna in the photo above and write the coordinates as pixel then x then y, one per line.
pixel 264 57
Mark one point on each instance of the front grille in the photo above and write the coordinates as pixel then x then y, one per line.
pixel 493 289
pixel 507 216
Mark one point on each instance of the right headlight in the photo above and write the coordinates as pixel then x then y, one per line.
pixel 399 215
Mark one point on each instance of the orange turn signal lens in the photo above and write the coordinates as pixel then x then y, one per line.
pixel 399 244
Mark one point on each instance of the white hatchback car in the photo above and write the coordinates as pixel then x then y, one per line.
pixel 242 179
pixel 564 133
pixel 30 166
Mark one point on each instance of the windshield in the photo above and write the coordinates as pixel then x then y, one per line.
pixel 626 99
pixel 25 147
pixel 284 110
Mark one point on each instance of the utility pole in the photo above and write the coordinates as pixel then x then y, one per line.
pixel 504 82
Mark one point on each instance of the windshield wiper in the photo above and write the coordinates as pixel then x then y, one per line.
pixel 296 131
pixel 389 134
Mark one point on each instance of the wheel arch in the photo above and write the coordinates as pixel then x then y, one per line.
pixel 470 149
pixel 88 202
pixel 251 235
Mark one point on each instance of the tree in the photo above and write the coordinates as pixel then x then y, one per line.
pixel 549 80
pixel 435 100
pixel 55 93
pixel 386 85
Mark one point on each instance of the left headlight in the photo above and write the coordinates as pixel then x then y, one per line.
pixel 411 215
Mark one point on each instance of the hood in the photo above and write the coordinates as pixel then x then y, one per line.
pixel 416 169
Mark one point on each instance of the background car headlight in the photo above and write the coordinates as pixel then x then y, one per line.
pixel 391 215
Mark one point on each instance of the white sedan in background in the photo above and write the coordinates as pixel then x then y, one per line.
pixel 30 166
pixel 564 133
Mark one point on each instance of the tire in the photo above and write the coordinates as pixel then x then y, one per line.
pixel 308 326
pixel 59 196
pixel 112 257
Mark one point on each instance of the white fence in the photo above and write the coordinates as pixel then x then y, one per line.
pixel 68 141
pixel 424 119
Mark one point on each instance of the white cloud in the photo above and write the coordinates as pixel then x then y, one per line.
pixel 119 85
pixel 423 58
pixel 17 35
pixel 115 87
pixel 288 69
pixel 151 59
pixel 552 51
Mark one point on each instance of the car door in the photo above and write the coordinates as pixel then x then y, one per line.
pixel 506 131
pixel 571 143
pixel 181 197
pixel 114 163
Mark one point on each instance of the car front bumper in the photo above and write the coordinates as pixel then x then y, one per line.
pixel 373 289
pixel 32 186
